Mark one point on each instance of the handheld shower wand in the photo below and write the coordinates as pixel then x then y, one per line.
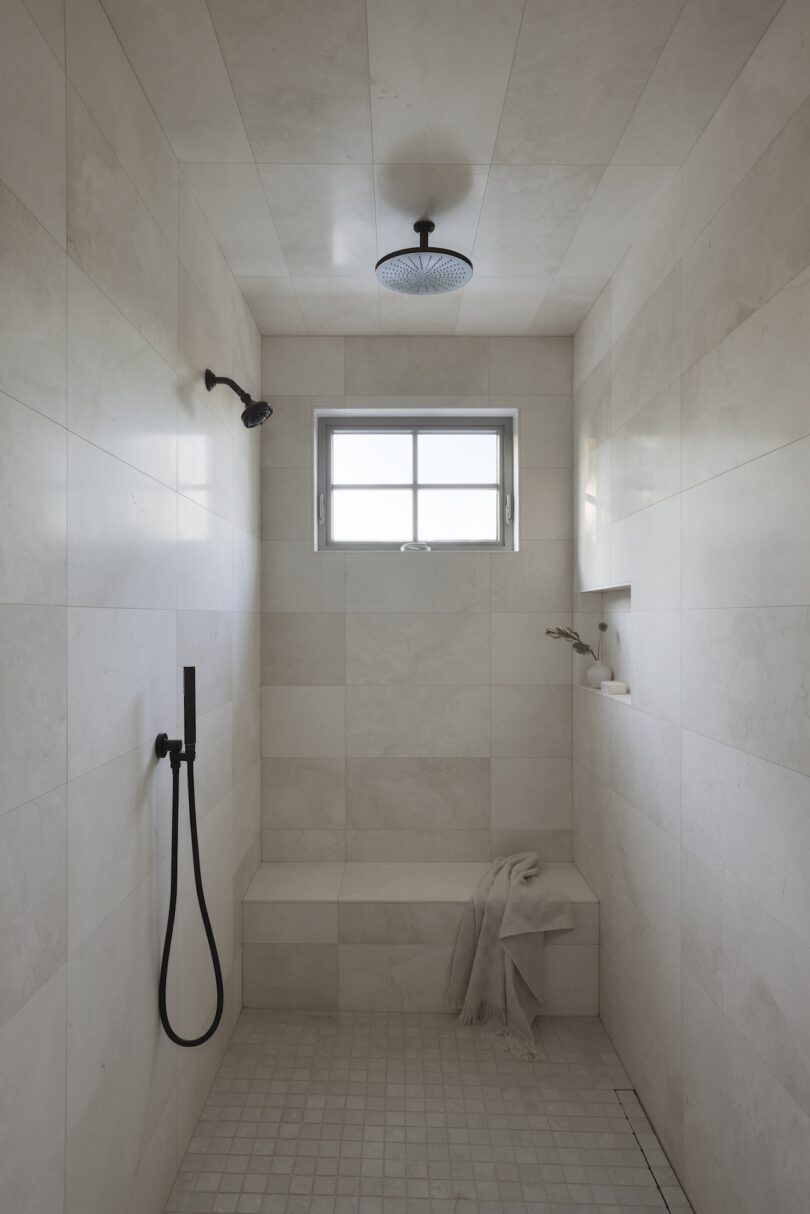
pixel 173 747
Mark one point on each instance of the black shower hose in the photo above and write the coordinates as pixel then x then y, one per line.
pixel 209 931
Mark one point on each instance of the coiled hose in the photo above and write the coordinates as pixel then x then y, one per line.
pixel 189 1043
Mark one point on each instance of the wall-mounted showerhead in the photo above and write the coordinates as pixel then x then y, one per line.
pixel 424 270
pixel 255 413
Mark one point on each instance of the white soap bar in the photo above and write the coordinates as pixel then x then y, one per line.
pixel 613 687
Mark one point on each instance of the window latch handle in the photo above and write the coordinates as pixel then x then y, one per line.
pixel 321 509
pixel 508 507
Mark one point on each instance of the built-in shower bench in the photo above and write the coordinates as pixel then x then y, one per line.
pixel 379 937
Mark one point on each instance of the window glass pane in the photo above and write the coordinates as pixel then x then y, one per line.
pixel 369 515
pixel 453 459
pixel 447 515
pixel 372 459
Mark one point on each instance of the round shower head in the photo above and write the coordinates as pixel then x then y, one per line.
pixel 424 270
pixel 256 413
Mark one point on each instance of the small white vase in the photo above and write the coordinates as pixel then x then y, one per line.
pixel 596 673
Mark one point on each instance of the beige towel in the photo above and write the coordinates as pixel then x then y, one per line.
pixel 496 973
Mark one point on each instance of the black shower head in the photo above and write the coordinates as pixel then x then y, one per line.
pixel 256 412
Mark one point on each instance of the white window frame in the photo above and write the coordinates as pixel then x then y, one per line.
pixel 470 421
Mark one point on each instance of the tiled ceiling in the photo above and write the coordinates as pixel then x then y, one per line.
pixel 538 134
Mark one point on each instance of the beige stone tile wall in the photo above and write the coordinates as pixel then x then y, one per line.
pixel 413 708
pixel 130 522
pixel 692 806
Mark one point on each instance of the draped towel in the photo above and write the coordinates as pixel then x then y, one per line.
pixel 496 974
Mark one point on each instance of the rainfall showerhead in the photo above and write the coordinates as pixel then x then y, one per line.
pixel 424 270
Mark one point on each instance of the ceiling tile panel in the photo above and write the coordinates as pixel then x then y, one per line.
pixel 568 302
pixel 273 304
pixel 235 206
pixel 529 218
pixel 708 47
pixel 300 72
pixel 340 305
pixel 419 313
pixel 580 67
pixel 324 216
pixel 175 54
pixel 616 214
pixel 449 194
pixel 500 307
pixel 438 77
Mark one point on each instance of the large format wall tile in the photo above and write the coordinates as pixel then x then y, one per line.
pixel 417 582
pixel 294 578
pixel 763 215
pixel 121 680
pixel 33 314
pixel 122 529
pixel 304 648
pixel 33 898
pixel 33 711
pixel 113 237
pixel 433 722
pixel 426 794
pixel 303 721
pixel 33 476
pixel 744 1136
pixel 410 647
pixel 99 70
pixel 122 395
pixel 764 358
pixel 745 540
pixel 748 819
pixel 118 829
pixel 32 147
pixel 303 793
pixel 33 1050
pixel 121 1068
pixel 745 680
pixel 425 846
pixel 767 92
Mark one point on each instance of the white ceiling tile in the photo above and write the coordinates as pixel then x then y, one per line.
pixel 449 194
pixel 273 304
pixel 424 59
pixel 568 302
pixel 616 214
pixel 175 54
pixel 234 204
pixel 529 217
pixel 324 216
pixel 708 47
pixel 580 67
pixel 500 307
pixel 300 73
pixel 340 305
pixel 436 314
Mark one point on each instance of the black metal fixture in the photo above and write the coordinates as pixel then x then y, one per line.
pixel 256 412
pixel 174 748
pixel 424 270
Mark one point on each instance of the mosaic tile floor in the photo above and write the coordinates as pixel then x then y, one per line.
pixel 357 1113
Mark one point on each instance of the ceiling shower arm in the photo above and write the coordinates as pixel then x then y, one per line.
pixel 424 227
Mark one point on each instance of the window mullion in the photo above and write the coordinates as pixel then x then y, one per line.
pixel 414 488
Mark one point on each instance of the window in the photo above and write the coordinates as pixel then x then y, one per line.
pixel 436 480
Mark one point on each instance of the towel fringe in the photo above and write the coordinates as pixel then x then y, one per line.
pixel 482 1013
